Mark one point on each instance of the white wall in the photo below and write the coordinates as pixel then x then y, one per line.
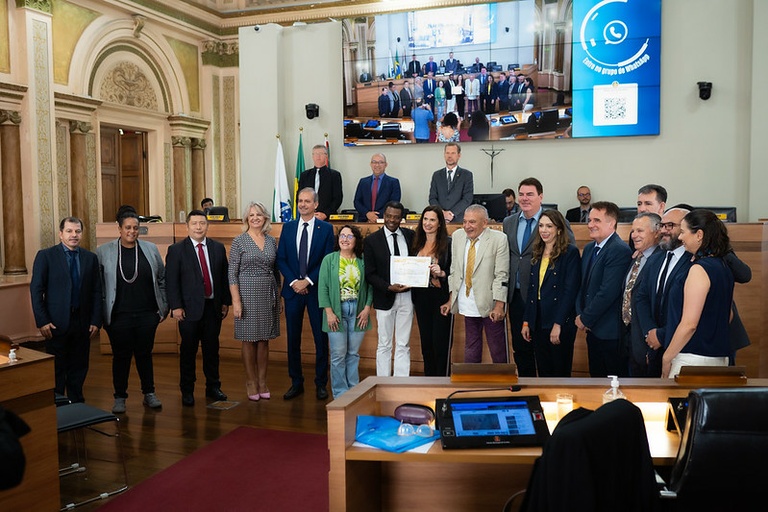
pixel 706 153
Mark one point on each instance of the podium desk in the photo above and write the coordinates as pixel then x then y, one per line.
pixel 367 479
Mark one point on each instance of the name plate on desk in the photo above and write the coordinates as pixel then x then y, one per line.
pixel 341 216
pixel 480 372
pixel 413 216
pixel 712 376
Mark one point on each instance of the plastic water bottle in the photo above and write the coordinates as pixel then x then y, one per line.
pixel 614 392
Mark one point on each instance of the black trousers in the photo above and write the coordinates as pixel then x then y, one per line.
pixel 203 333
pixel 525 357
pixel 132 335
pixel 606 357
pixel 434 330
pixel 554 360
pixel 71 355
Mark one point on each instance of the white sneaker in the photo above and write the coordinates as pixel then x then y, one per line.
pixel 151 400
pixel 119 406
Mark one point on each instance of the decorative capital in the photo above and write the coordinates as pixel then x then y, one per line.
pixel 222 54
pixel 82 127
pixel 10 117
pixel 40 5
pixel 181 142
pixel 198 143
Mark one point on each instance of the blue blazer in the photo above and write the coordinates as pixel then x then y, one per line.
pixel 429 91
pixel 599 302
pixel 389 190
pixel 558 291
pixel 288 254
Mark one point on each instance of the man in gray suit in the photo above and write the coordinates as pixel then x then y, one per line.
pixel 452 187
pixel 520 230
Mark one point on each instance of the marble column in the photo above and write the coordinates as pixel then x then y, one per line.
pixel 13 197
pixel 181 146
pixel 198 171
pixel 78 156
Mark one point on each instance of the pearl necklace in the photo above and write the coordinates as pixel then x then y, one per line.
pixel 120 263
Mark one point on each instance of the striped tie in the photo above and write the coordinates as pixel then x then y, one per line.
pixel 470 265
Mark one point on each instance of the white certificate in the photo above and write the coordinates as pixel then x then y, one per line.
pixel 410 271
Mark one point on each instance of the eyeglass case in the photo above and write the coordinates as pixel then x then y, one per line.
pixel 415 414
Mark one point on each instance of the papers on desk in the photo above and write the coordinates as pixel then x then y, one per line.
pixel 381 432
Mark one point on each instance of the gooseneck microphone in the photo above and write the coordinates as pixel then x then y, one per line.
pixel 447 403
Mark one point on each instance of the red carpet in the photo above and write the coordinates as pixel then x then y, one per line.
pixel 249 469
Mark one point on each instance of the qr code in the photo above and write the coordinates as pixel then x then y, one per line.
pixel 615 104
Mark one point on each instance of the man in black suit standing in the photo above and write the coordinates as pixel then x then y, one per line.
pixel 406 98
pixel 392 301
pixel 452 187
pixel 325 181
pixel 66 301
pixel 414 67
pixel 197 286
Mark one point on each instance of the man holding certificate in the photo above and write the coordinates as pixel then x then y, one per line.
pixel 478 284
pixel 391 300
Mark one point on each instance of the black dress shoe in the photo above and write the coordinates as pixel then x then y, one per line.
pixel 187 399
pixel 215 394
pixel 322 394
pixel 293 392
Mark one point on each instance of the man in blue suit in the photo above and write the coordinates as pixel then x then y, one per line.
pixel 429 91
pixel 376 190
pixel 598 306
pixel 66 300
pixel 304 242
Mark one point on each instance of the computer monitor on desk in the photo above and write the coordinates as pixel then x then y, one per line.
pixel 495 204
pixel 218 214
pixel 724 213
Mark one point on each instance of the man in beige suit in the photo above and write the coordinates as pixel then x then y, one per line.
pixel 478 285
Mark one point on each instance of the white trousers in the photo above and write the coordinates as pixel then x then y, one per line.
pixel 686 359
pixel 395 323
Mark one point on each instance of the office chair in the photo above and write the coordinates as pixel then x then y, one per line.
pixel 76 418
pixel 721 461
pixel 596 461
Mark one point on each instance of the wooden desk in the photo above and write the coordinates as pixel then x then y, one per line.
pixel 26 388
pixel 463 480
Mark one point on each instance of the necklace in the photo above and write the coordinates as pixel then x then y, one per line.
pixel 120 264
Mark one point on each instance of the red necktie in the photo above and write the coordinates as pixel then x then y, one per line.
pixel 374 192
pixel 206 275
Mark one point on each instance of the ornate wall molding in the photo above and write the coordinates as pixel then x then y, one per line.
pixel 223 54
pixel 39 5
pixel 126 84
pixel 181 141
pixel 198 143
pixel 81 127
pixel 10 117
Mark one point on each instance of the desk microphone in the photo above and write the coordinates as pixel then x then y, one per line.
pixel 447 403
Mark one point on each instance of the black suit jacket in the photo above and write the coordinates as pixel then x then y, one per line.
pixel 573 215
pixel 455 198
pixel 331 194
pixel 51 289
pixel 376 254
pixel 414 68
pixel 184 278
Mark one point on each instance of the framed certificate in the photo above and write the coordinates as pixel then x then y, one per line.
pixel 412 271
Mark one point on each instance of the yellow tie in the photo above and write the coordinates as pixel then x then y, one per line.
pixel 470 265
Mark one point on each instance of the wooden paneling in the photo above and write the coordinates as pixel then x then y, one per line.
pixel 110 172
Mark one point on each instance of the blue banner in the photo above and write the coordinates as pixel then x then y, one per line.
pixel 616 67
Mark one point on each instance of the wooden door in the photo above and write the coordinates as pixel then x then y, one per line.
pixel 110 172
pixel 124 177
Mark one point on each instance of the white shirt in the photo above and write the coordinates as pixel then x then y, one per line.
pixel 467 305
pixel 310 230
pixel 677 255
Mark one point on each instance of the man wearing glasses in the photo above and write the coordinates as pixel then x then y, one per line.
pixel 376 190
pixel 581 212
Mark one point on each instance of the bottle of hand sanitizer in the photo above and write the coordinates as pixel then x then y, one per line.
pixel 613 393
pixel 12 356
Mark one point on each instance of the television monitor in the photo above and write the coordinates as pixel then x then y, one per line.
pixel 218 214
pixel 724 213
pixel 354 130
pixel 627 213
pixel 549 206
pixel 495 204
pixel 548 120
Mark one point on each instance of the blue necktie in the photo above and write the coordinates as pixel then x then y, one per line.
pixel 527 232
pixel 74 274
pixel 303 250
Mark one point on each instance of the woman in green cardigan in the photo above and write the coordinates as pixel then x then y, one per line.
pixel 346 299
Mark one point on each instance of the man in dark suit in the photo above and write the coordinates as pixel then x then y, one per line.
pixel 385 104
pixel 581 212
pixel 376 190
pixel 392 301
pixel 304 242
pixel 431 66
pixel 197 287
pixel 326 182
pixel 414 67
pixel 452 187
pixel 406 98
pixel 66 301
pixel 486 91
pixel 451 65
pixel 520 228
pixel 598 306
pixel 395 111
pixel 665 269
pixel 429 91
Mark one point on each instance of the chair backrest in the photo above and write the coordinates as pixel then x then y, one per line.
pixel 724 446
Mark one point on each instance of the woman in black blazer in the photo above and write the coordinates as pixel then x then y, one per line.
pixel 549 316
pixel 431 239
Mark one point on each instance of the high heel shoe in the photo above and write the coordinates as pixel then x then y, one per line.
pixel 266 395
pixel 252 391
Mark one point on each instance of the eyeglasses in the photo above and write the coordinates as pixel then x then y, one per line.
pixel 668 225
pixel 406 429
pixel 346 237
pixel 584 195
pixel 378 162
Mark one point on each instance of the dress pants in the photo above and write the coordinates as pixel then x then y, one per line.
pixel 434 330
pixel 205 333
pixel 395 323
pixel 524 354
pixel 344 347
pixel 294 322
pixel 132 335
pixel 606 357
pixel 71 355
pixel 494 335
pixel 554 360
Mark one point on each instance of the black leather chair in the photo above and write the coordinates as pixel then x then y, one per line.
pixel 721 464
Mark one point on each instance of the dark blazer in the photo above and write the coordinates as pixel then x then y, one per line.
pixel 288 254
pixel 429 91
pixel 430 66
pixel 184 278
pixel 51 289
pixel 389 190
pixel 457 197
pixel 644 295
pixel 558 290
pixel 573 215
pixel 384 105
pixel 406 98
pixel 414 68
pixel 638 347
pixel 376 257
pixel 599 302
pixel 331 194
